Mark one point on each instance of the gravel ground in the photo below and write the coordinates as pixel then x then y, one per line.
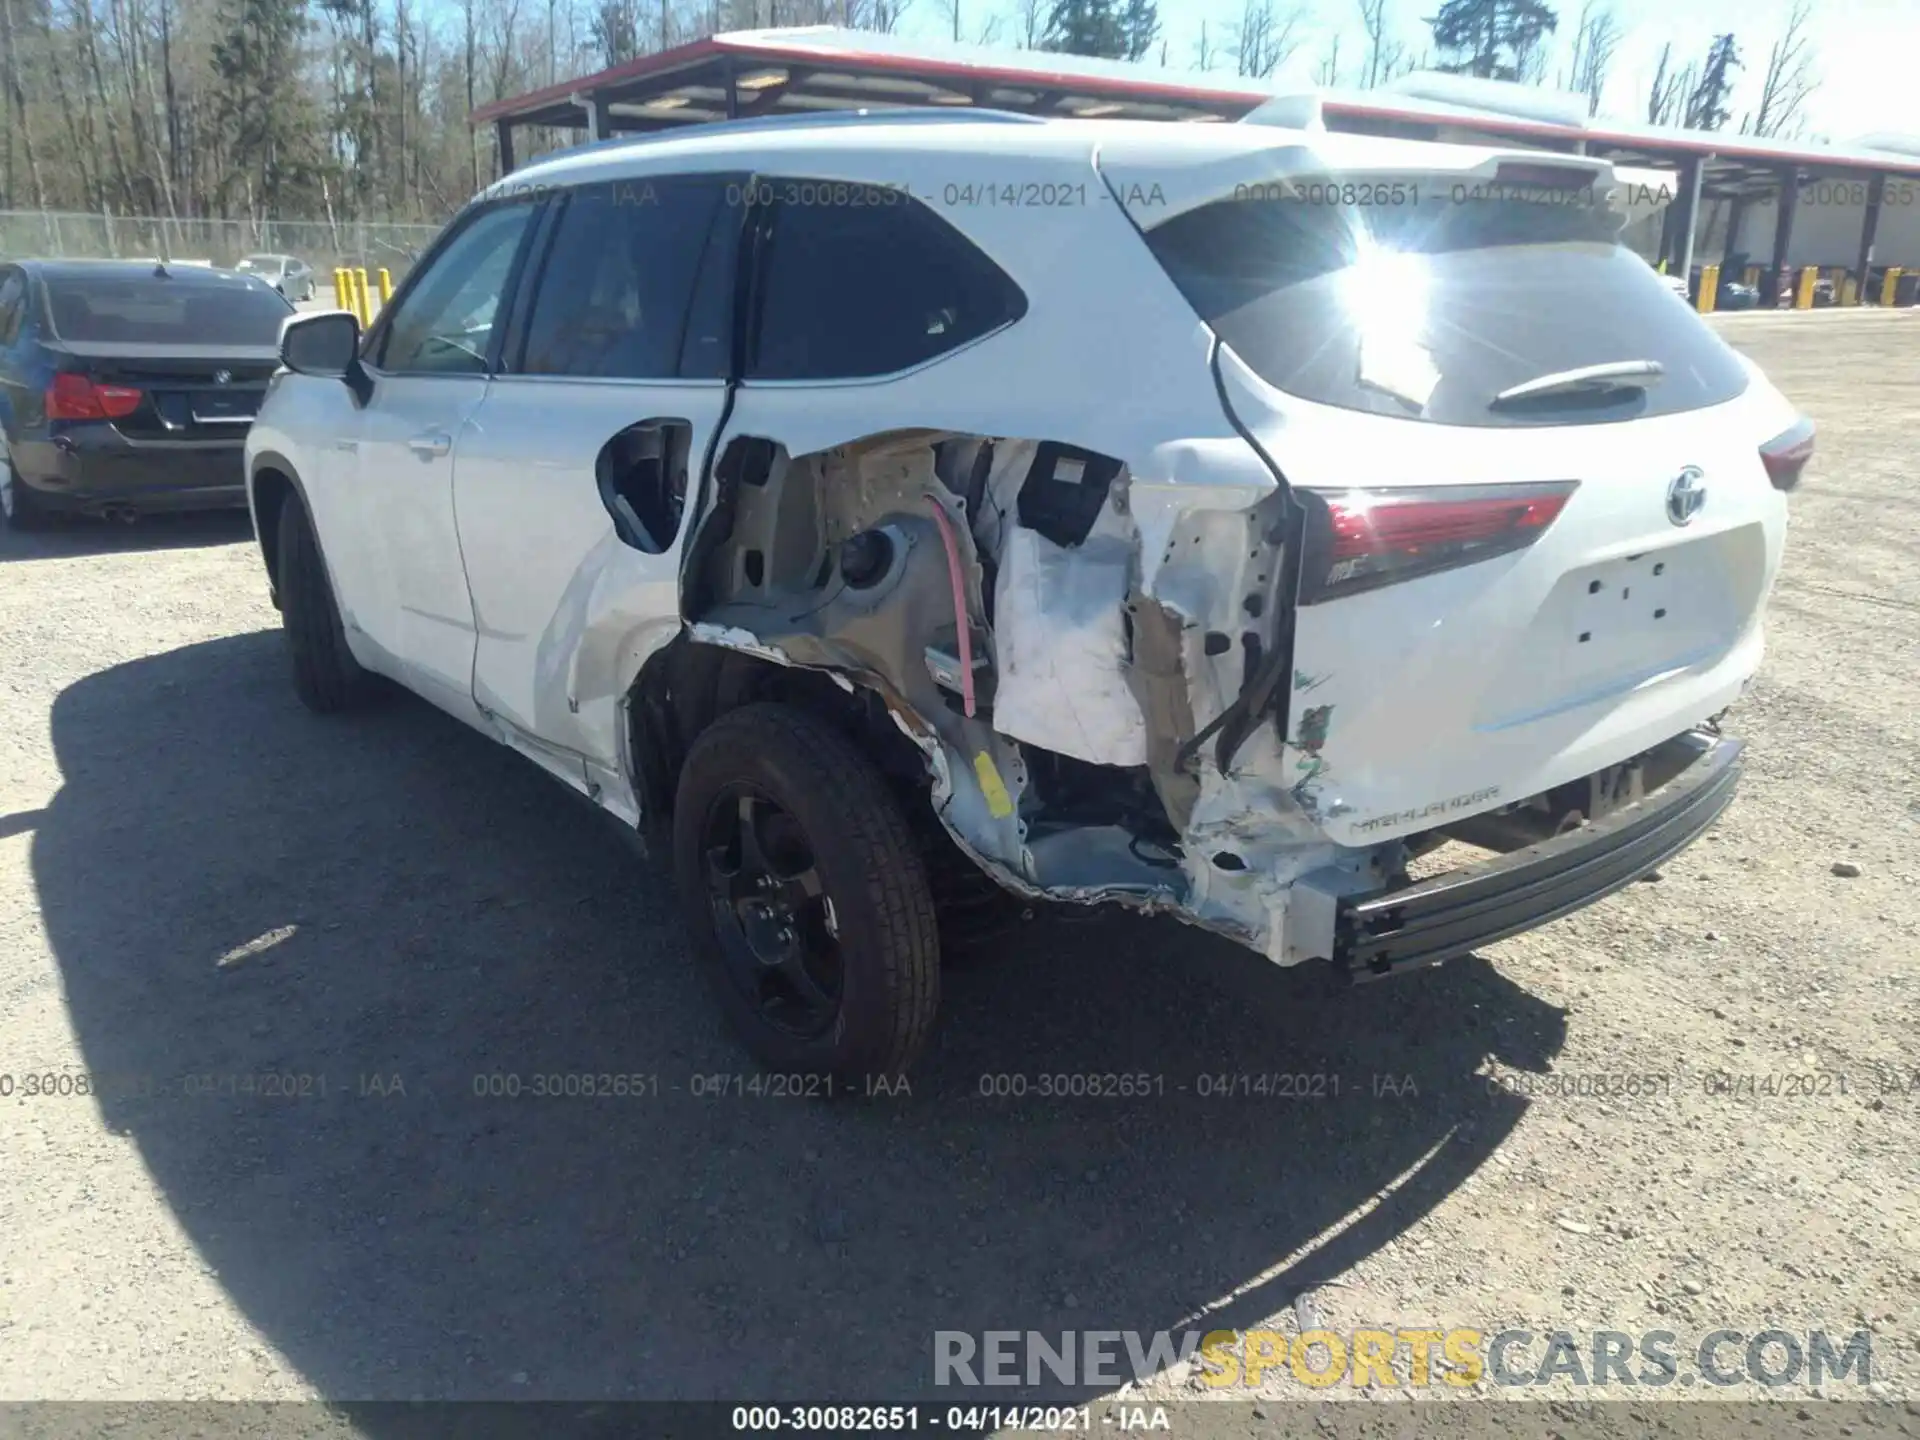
pixel 198 879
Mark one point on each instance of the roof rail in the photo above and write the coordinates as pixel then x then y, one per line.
pixel 877 114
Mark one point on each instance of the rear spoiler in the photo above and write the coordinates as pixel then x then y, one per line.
pixel 1154 191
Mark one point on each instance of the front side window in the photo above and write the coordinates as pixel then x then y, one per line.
pixel 617 284
pixel 863 280
pixel 444 324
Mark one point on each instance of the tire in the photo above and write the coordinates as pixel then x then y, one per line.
pixel 325 675
pixel 20 507
pixel 865 916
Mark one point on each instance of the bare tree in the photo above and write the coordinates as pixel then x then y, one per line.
pixel 1530 63
pixel 1267 40
pixel 1205 55
pixel 1594 43
pixel 883 16
pixel 15 100
pixel 1668 95
pixel 1789 79
pixel 1029 22
pixel 1384 57
pixel 1327 72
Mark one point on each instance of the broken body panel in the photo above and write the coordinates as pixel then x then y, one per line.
pixel 1067 558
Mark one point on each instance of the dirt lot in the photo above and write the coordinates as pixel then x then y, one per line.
pixel 164 801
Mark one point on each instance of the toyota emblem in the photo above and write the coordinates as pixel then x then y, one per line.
pixel 222 377
pixel 1686 495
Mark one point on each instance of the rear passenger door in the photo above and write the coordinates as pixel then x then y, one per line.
pixel 612 383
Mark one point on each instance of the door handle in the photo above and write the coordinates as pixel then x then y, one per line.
pixel 434 442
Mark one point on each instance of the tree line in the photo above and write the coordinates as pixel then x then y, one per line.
pixel 357 109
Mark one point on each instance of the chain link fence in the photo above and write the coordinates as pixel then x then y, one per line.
pixel 323 244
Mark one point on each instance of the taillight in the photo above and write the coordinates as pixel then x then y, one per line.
pixel 1362 539
pixel 1786 455
pixel 75 397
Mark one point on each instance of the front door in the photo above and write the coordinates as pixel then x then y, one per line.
pixel 429 368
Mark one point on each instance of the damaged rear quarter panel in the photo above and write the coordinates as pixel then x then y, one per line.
pixel 1123 366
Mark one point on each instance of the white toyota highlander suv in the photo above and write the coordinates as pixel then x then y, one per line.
pixel 1209 519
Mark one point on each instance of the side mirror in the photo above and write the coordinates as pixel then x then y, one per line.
pixel 326 345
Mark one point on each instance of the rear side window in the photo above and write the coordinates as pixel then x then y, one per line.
pixel 1430 306
pixel 618 284
pixel 860 281
pixel 156 311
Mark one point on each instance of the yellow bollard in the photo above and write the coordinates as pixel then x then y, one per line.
pixel 1803 296
pixel 1709 288
pixel 1663 267
pixel 1890 285
pixel 1752 276
pixel 341 299
pixel 386 286
pixel 362 307
pixel 1849 291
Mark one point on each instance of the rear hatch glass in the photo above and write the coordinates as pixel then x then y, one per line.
pixel 163 312
pixel 1426 297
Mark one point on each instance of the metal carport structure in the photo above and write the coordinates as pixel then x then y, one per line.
pixel 799 71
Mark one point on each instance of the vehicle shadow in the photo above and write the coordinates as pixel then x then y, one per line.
pixel 68 536
pixel 457 920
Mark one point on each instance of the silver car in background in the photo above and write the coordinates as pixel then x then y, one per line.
pixel 291 276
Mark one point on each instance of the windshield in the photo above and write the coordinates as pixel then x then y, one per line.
pixel 164 312
pixel 1425 297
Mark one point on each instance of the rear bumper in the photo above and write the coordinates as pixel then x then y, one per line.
pixel 96 467
pixel 1453 914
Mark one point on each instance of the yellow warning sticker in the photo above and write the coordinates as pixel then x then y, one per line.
pixel 999 802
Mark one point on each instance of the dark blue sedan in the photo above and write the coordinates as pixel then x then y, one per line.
pixel 128 386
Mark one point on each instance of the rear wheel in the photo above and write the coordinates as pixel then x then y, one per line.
pixel 806 897
pixel 19 506
pixel 325 674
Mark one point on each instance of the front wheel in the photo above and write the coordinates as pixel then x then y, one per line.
pixel 325 674
pixel 806 897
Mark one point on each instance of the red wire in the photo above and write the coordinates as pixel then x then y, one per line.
pixel 959 603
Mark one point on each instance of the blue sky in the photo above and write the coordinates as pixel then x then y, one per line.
pixel 1867 52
